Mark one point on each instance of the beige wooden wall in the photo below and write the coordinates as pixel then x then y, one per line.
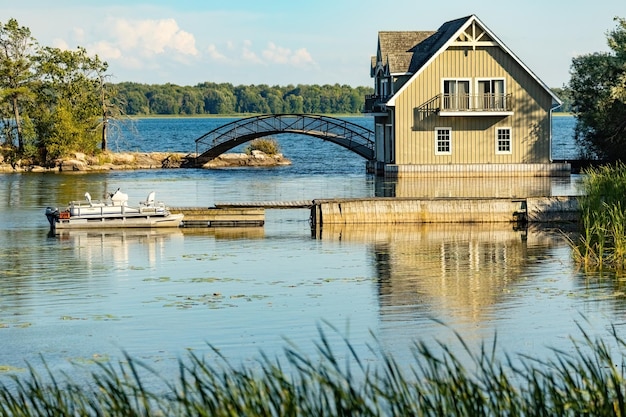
pixel 473 137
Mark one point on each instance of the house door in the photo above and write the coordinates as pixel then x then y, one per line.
pixel 390 154
pixel 456 94
pixel 379 136
pixel 492 93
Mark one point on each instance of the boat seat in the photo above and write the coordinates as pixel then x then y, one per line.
pixel 149 200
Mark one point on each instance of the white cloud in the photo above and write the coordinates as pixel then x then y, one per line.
pixel 284 56
pixel 152 37
pixel 105 50
pixel 248 54
pixel 60 43
pixel 215 54
pixel 273 54
pixel 302 57
pixel 79 34
pixel 276 54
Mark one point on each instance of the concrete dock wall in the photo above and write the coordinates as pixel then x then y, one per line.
pixel 444 210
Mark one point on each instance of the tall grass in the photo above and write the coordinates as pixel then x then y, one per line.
pixel 586 382
pixel 602 242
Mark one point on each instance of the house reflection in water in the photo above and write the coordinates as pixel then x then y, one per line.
pixel 490 187
pixel 457 272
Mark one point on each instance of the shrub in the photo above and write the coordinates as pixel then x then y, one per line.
pixel 268 146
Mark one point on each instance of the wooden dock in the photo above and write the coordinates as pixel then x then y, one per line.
pixel 221 217
pixel 238 214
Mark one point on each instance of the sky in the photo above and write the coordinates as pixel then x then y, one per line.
pixel 282 42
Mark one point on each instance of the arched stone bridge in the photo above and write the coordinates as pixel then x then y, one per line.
pixel 358 139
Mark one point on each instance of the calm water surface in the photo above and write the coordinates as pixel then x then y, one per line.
pixel 80 297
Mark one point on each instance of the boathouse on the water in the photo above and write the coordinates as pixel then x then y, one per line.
pixel 458 102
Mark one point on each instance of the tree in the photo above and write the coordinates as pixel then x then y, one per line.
pixel 73 105
pixel 16 46
pixel 566 97
pixel 598 87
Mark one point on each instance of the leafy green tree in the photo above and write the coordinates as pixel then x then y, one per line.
pixel 294 104
pixel 598 88
pixel 192 102
pixel 565 94
pixel 73 105
pixel 16 47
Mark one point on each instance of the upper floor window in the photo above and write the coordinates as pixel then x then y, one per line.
pixel 443 141
pixel 491 94
pixel 382 85
pixel 456 94
pixel 474 95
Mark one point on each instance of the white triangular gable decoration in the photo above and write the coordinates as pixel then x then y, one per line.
pixel 474 35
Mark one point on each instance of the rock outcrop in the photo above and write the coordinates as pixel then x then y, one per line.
pixel 144 160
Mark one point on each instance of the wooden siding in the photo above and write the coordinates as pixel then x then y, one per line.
pixel 473 137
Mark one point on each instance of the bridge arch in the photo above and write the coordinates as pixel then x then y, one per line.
pixel 351 136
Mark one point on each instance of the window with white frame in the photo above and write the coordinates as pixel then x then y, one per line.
pixel 503 140
pixel 456 94
pixel 491 94
pixel 443 141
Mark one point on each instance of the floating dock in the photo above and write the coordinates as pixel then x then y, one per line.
pixel 221 217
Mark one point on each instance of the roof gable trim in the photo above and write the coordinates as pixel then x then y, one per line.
pixel 467 35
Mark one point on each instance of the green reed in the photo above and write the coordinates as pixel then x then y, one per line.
pixel 585 382
pixel 602 242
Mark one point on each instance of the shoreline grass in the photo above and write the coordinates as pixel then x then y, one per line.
pixel 602 242
pixel 588 381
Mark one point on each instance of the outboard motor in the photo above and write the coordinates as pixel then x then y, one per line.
pixel 52 213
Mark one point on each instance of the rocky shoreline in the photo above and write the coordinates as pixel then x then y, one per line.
pixel 108 161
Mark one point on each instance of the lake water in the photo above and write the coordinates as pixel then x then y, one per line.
pixel 80 297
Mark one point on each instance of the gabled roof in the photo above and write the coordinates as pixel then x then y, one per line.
pixel 404 58
pixel 395 49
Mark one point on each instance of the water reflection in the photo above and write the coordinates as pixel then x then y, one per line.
pixel 492 187
pixel 458 271
pixel 93 248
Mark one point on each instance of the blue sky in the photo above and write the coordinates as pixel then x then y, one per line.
pixel 280 42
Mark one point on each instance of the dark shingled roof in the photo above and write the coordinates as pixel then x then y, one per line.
pixel 408 51
pixel 396 48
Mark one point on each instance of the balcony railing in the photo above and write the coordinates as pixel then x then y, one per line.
pixel 453 104
pixel 375 103
pixel 498 103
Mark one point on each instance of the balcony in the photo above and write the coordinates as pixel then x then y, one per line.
pixel 375 104
pixel 452 105
pixel 475 105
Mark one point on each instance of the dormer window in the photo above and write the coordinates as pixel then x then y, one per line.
pixel 384 83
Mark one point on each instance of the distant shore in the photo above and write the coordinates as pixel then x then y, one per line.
pixel 109 161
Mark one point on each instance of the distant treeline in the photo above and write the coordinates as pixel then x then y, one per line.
pixel 212 98
pixel 225 98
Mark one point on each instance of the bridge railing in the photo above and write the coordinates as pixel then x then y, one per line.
pixel 352 136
